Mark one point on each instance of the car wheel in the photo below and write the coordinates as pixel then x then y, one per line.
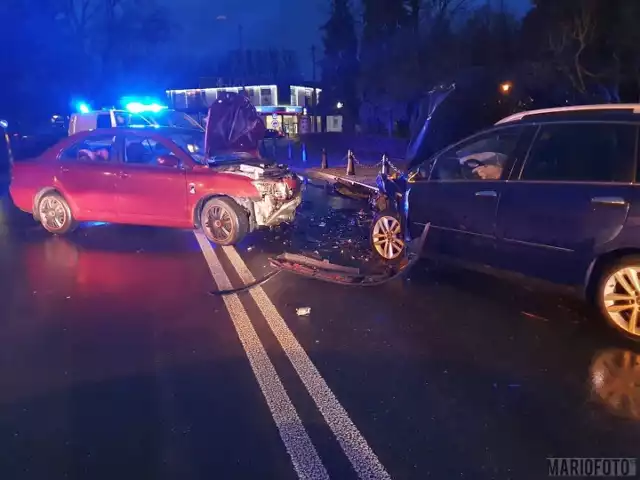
pixel 618 296
pixel 54 214
pixel 224 222
pixel 387 236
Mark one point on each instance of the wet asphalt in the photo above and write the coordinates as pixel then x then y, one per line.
pixel 116 361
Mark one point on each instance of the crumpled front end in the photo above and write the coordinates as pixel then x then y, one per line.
pixel 280 199
pixel 280 192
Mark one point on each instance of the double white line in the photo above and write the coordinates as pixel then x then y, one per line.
pixel 297 442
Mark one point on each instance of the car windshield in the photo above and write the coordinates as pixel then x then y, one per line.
pixel 171 118
pixel 192 142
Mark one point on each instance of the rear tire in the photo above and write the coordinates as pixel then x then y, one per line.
pixel 387 237
pixel 617 296
pixel 223 221
pixel 55 214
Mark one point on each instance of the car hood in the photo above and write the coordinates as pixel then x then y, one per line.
pixel 233 126
pixel 418 148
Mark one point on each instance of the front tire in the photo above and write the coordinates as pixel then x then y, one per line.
pixel 55 215
pixel 617 296
pixel 387 236
pixel 224 222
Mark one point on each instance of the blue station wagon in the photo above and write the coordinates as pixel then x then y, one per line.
pixel 552 194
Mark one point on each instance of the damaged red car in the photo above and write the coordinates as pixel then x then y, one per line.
pixel 165 177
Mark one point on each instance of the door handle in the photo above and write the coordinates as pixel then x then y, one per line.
pixel 609 200
pixel 486 193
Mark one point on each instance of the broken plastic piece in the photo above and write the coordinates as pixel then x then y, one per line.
pixel 303 311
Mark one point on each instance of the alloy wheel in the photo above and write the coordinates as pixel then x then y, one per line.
pixel 219 224
pixel 621 299
pixel 387 237
pixel 53 213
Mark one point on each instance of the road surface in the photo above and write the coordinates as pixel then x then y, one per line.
pixel 116 361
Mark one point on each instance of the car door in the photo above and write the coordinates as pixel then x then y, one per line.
pixel 148 192
pixel 460 197
pixel 568 199
pixel 87 176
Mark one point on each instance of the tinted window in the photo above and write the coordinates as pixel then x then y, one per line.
pixel 95 148
pixel 587 152
pixel 483 157
pixel 103 121
pixel 143 150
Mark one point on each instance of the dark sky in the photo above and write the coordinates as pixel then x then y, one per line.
pixel 265 23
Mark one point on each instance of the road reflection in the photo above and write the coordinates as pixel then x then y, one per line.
pixel 615 381
pixel 93 270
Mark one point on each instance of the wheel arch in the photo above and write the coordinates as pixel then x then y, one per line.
pixel 600 263
pixel 244 203
pixel 38 196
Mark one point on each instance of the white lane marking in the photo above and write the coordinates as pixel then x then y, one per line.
pixel 364 460
pixel 304 456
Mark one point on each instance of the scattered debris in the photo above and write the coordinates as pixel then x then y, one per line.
pixel 534 316
pixel 303 311
pixel 249 248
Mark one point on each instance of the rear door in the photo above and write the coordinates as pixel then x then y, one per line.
pixel 461 196
pixel 148 192
pixel 569 199
pixel 87 175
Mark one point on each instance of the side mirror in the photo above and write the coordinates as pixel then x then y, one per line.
pixel 170 161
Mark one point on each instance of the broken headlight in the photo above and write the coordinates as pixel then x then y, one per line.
pixel 279 190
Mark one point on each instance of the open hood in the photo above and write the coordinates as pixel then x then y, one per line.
pixel 418 148
pixel 233 125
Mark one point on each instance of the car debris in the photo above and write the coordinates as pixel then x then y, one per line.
pixel 303 311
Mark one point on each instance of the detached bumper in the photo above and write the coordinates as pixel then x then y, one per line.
pixel 285 213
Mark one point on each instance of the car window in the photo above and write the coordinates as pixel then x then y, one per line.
pixel 103 121
pixel 96 148
pixel 124 119
pixel 143 150
pixel 483 157
pixel 587 152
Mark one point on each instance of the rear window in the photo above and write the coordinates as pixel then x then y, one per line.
pixel 103 121
pixel 582 152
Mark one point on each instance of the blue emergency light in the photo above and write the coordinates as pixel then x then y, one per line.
pixel 83 107
pixel 139 107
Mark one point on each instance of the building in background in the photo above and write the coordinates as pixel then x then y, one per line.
pixel 287 108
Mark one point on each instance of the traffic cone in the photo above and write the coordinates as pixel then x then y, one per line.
pixel 351 164
pixel 323 162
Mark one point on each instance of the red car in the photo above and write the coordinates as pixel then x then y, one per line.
pixel 164 177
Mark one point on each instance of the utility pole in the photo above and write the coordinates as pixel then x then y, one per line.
pixel 242 59
pixel 314 96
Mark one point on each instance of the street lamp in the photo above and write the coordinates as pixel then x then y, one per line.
pixel 339 105
pixel 506 87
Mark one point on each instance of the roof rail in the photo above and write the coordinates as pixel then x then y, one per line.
pixel 635 107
